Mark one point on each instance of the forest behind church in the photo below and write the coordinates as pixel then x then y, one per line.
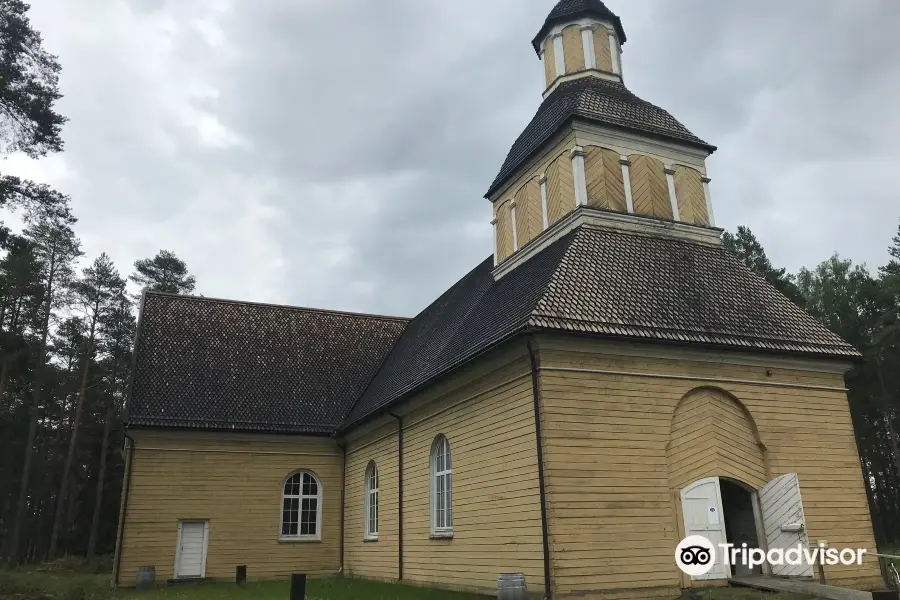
pixel 67 326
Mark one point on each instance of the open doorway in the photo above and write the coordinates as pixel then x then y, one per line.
pixel 739 516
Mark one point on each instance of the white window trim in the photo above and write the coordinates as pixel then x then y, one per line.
pixel 205 546
pixel 371 535
pixel 559 55
pixel 447 531
pixel 587 43
pixel 317 537
pixel 496 249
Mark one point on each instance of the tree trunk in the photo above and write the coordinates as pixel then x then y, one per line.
pixel 70 455
pixel 33 418
pixel 101 475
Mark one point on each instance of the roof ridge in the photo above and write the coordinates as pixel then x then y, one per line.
pixel 213 299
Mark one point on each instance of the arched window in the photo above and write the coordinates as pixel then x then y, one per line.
pixel 301 507
pixel 441 488
pixel 372 502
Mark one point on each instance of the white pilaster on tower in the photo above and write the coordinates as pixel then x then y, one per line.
pixel 614 53
pixel 587 43
pixel 543 182
pixel 494 227
pixel 578 174
pixel 559 54
pixel 626 177
pixel 512 216
pixel 670 179
pixel 709 209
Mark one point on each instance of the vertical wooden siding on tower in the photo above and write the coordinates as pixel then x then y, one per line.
pixel 690 195
pixel 560 188
pixel 234 481
pixel 529 216
pixel 487 414
pixel 613 518
pixel 549 61
pixel 649 189
pixel 603 174
pixel 601 49
pixel 574 51
pixel 366 558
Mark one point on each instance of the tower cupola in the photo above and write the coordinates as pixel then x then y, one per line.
pixel 580 38
pixel 595 153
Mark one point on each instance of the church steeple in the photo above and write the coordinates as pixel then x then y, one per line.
pixel 594 149
pixel 579 38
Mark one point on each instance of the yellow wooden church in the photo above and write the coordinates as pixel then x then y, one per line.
pixel 607 382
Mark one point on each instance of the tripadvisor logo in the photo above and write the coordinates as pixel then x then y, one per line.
pixel 696 555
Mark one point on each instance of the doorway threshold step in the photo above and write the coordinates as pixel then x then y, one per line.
pixel 779 584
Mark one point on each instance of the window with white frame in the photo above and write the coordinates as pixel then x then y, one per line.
pixel 301 507
pixel 441 488
pixel 372 502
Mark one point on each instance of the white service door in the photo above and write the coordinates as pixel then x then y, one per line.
pixel 781 506
pixel 701 505
pixel 191 549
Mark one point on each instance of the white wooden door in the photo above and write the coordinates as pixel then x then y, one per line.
pixel 190 556
pixel 701 505
pixel 784 521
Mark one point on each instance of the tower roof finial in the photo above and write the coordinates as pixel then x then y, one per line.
pixel 568 10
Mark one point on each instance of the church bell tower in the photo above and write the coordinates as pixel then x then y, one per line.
pixel 595 152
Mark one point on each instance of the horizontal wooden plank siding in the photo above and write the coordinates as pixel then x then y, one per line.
pixel 235 482
pixel 366 558
pixel 609 438
pixel 487 415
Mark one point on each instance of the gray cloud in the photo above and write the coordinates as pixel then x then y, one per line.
pixel 335 153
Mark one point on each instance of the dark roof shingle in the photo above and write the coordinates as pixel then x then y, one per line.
pixel 215 364
pixel 567 10
pixel 596 100
pixel 602 282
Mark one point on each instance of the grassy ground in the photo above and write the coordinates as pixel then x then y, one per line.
pixel 45 584
pixel 56 584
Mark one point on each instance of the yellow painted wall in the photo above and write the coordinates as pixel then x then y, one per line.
pixel 603 176
pixel 504 231
pixel 690 195
pixel 573 49
pixel 234 481
pixel 529 214
pixel 601 49
pixel 613 516
pixel 366 558
pixel 549 61
pixel 487 414
pixel 649 190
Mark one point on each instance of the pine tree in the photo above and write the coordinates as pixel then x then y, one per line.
pixel 748 250
pixel 97 293
pixel 56 248
pixel 165 272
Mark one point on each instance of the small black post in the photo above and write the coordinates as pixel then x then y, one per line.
pixel 240 575
pixel 298 586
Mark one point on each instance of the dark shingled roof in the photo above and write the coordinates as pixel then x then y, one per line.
pixel 568 10
pixel 603 282
pixel 216 364
pixel 596 100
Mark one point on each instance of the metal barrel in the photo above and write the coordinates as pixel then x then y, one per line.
pixel 511 586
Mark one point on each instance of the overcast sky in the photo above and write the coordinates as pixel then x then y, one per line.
pixel 334 153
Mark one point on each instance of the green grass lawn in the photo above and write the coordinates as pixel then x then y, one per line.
pixel 43 584
pixel 55 584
